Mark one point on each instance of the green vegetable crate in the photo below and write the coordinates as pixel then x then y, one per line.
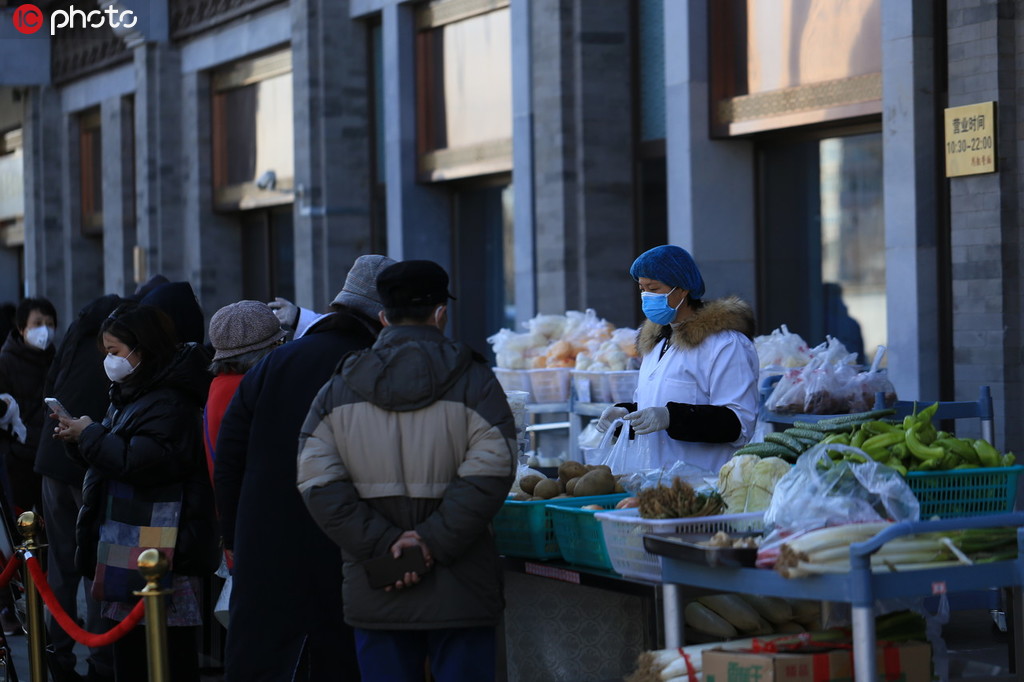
pixel 965 492
pixel 526 529
pixel 579 534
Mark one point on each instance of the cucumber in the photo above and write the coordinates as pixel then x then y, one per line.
pixel 703 619
pixel 765 450
pixel 805 434
pixel 855 417
pixel 785 439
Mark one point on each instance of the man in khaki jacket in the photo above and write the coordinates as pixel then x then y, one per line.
pixel 411 447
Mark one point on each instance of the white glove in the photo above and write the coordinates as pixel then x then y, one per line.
pixel 609 415
pixel 648 420
pixel 12 418
pixel 286 311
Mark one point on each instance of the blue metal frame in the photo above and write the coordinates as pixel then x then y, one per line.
pixel 860 587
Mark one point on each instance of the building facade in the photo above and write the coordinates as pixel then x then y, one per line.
pixel 534 148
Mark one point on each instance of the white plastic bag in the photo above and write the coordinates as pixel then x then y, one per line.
pixel 626 454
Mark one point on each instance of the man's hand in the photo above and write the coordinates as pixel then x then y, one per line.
pixel 409 539
pixel 648 420
pixel 70 430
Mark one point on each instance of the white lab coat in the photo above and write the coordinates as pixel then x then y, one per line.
pixel 721 370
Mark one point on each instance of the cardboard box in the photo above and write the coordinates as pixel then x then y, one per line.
pixel 903 662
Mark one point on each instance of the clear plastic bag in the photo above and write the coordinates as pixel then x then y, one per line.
pixel 789 393
pixel 782 348
pixel 698 478
pixel 863 387
pixel 822 492
pixel 626 454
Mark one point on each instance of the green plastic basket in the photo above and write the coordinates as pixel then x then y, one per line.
pixel 525 529
pixel 965 492
pixel 579 534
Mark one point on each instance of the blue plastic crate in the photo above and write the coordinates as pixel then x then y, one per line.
pixel 579 534
pixel 525 529
pixel 965 492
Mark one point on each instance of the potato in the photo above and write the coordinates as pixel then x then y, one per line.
pixel 528 483
pixel 520 497
pixel 569 470
pixel 570 485
pixel 596 482
pixel 547 488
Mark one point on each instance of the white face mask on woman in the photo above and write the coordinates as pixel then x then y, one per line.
pixel 118 368
pixel 40 337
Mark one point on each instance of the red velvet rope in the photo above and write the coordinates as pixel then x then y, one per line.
pixel 10 568
pixel 81 636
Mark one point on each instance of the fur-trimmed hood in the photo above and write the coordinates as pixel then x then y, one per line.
pixel 716 316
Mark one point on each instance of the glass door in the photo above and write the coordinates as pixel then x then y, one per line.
pixel 822 240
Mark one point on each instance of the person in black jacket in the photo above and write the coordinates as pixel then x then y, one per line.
pixel 146 479
pixel 295 625
pixel 76 378
pixel 24 360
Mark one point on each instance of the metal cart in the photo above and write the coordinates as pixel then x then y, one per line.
pixel 860 587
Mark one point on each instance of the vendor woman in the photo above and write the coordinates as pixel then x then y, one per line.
pixel 697 391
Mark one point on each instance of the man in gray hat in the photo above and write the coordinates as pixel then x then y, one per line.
pixel 410 450
pixel 279 624
pixel 359 292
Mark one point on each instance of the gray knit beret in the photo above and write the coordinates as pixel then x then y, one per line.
pixel 243 327
pixel 360 290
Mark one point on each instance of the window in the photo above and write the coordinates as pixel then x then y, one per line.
pixel 12 190
pixel 253 142
pixel 90 174
pixel 464 88
pixel 822 237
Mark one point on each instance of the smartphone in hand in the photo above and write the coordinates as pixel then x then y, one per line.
pixel 385 571
pixel 57 408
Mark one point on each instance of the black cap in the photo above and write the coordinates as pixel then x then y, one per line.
pixel 413 283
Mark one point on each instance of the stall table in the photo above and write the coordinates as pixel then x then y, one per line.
pixel 861 587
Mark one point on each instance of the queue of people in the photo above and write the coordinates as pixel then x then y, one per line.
pixel 299 450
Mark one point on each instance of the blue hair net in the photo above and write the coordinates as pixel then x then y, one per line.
pixel 671 265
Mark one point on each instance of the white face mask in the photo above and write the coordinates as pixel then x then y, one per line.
pixel 117 368
pixel 40 337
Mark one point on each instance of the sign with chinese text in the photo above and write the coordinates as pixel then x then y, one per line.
pixel 971 139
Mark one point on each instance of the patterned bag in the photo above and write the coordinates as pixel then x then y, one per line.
pixel 135 520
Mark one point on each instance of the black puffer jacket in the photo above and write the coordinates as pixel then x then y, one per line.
pixel 76 378
pixel 23 375
pixel 150 438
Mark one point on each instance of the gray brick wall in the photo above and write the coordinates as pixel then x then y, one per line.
pixel 984 49
pixel 583 157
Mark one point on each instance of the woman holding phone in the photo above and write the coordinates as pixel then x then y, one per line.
pixel 146 482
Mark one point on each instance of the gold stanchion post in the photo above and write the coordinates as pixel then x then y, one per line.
pixel 28 526
pixel 153 566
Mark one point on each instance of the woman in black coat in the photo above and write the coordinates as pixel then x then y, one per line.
pixel 24 361
pixel 146 484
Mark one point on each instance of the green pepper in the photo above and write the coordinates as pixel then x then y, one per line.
pixel 988 455
pixel 920 450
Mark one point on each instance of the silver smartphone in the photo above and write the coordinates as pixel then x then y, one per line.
pixel 57 408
